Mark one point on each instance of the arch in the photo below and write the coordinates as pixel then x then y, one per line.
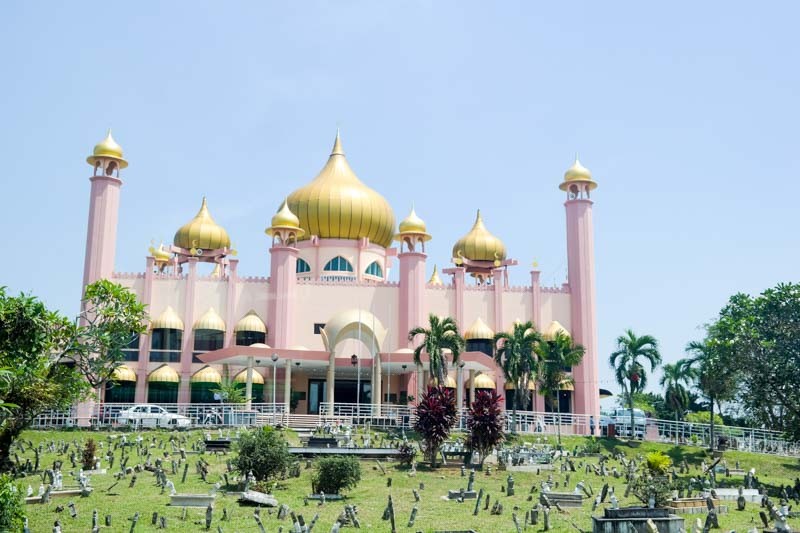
pixel 374 269
pixel 121 388
pixel 345 325
pixel 338 264
pixel 203 382
pixel 162 385
pixel 110 168
pixel 302 266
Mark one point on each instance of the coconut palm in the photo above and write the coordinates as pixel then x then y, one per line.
pixel 515 355
pixel 627 361
pixel 555 355
pixel 441 334
pixel 676 396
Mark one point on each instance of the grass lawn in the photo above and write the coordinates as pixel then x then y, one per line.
pixel 370 496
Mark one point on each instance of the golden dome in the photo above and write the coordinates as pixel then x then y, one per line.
pixel 285 219
pixel 337 205
pixel 202 232
pixel 479 244
pixel 123 373
pixel 577 173
pixel 482 381
pixel 169 319
pixel 435 279
pixel 479 330
pixel 251 322
pixel 210 320
pixel 531 385
pixel 160 254
pixel 207 374
pixel 554 328
pixel 164 374
pixel 449 383
pixel 241 377
pixel 259 345
pixel 412 224
pixel 109 149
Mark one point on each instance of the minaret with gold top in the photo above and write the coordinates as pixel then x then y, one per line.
pixel 285 230
pixel 101 234
pixel 578 184
pixel 412 235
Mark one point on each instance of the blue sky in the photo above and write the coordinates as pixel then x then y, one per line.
pixel 686 113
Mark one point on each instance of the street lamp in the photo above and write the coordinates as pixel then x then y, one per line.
pixel 274 375
pixel 357 363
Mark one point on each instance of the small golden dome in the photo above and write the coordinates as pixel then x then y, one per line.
pixel 160 254
pixel 449 383
pixel 202 232
pixel 207 374
pixel 169 319
pixel 554 328
pixel 251 322
pixel 108 149
pixel 577 173
pixel 337 205
pixel 435 279
pixel 479 244
pixel 259 345
pixel 210 320
pixel 164 374
pixel 123 373
pixel 285 219
pixel 482 381
pixel 241 377
pixel 510 385
pixel 479 331
pixel 412 224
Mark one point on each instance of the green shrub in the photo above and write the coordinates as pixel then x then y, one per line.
pixel 263 451
pixel 12 509
pixel 88 455
pixel 335 474
pixel 592 446
pixel 407 453
pixel 658 463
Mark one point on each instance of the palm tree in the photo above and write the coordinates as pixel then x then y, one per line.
pixel 515 355
pixel 555 355
pixel 675 394
pixel 628 369
pixel 442 334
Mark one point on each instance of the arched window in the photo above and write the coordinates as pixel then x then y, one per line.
pixel 374 269
pixel 339 264
pixel 302 266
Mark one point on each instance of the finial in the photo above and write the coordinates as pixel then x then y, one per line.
pixel 337 145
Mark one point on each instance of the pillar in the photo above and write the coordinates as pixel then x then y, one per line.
pixel 412 294
pixel 377 389
pixel 144 339
pixel 231 301
pixel 282 282
pixel 460 387
pixel 458 286
pixel 287 387
pixel 471 386
pixel 331 381
pixel 536 300
pixel 420 383
pixel 498 287
pixel 101 234
pixel 184 388
pixel 248 384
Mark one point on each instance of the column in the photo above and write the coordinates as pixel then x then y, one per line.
pixel 412 294
pixel 144 339
pixel 248 384
pixel 377 389
pixel 282 282
pixel 471 387
pixel 231 301
pixel 101 234
pixel 420 382
pixel 331 381
pixel 460 387
pixel 497 298
pixel 458 285
pixel 287 387
pixel 536 300
pixel 184 388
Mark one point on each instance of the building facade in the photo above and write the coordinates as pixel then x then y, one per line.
pixel 326 326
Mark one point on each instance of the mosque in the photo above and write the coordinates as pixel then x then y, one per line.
pixel 326 328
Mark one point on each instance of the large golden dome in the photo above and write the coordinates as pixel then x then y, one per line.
pixel 337 205
pixel 202 232
pixel 479 244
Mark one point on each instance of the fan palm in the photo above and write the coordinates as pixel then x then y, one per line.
pixel 554 357
pixel 627 361
pixel 515 355
pixel 441 334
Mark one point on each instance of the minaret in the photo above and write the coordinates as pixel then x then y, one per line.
pixel 101 234
pixel 578 184
pixel 412 235
pixel 284 230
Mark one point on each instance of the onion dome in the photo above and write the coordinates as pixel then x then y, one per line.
pixel 553 329
pixel 435 279
pixel 531 385
pixel 412 225
pixel 107 149
pixel 164 374
pixel 577 173
pixel 479 331
pixel 202 232
pixel 479 244
pixel 123 373
pixel 169 319
pixel 449 383
pixel 160 254
pixel 482 381
pixel 337 205
pixel 210 320
pixel 207 374
pixel 241 377
pixel 284 219
pixel 251 322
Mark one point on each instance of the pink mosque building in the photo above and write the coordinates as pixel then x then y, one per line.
pixel 325 327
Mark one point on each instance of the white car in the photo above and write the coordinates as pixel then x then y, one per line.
pixel 622 419
pixel 154 416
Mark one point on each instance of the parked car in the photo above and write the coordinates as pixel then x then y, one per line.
pixel 622 421
pixel 146 415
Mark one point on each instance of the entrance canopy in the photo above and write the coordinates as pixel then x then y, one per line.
pixel 356 324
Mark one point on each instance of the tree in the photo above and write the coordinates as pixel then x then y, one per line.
pixel 628 369
pixel 555 355
pixel 436 414
pixel 441 334
pixel 12 505
pixel 485 423
pixel 676 395
pixel 230 392
pixel 515 355
pixel 53 362
pixel 264 452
